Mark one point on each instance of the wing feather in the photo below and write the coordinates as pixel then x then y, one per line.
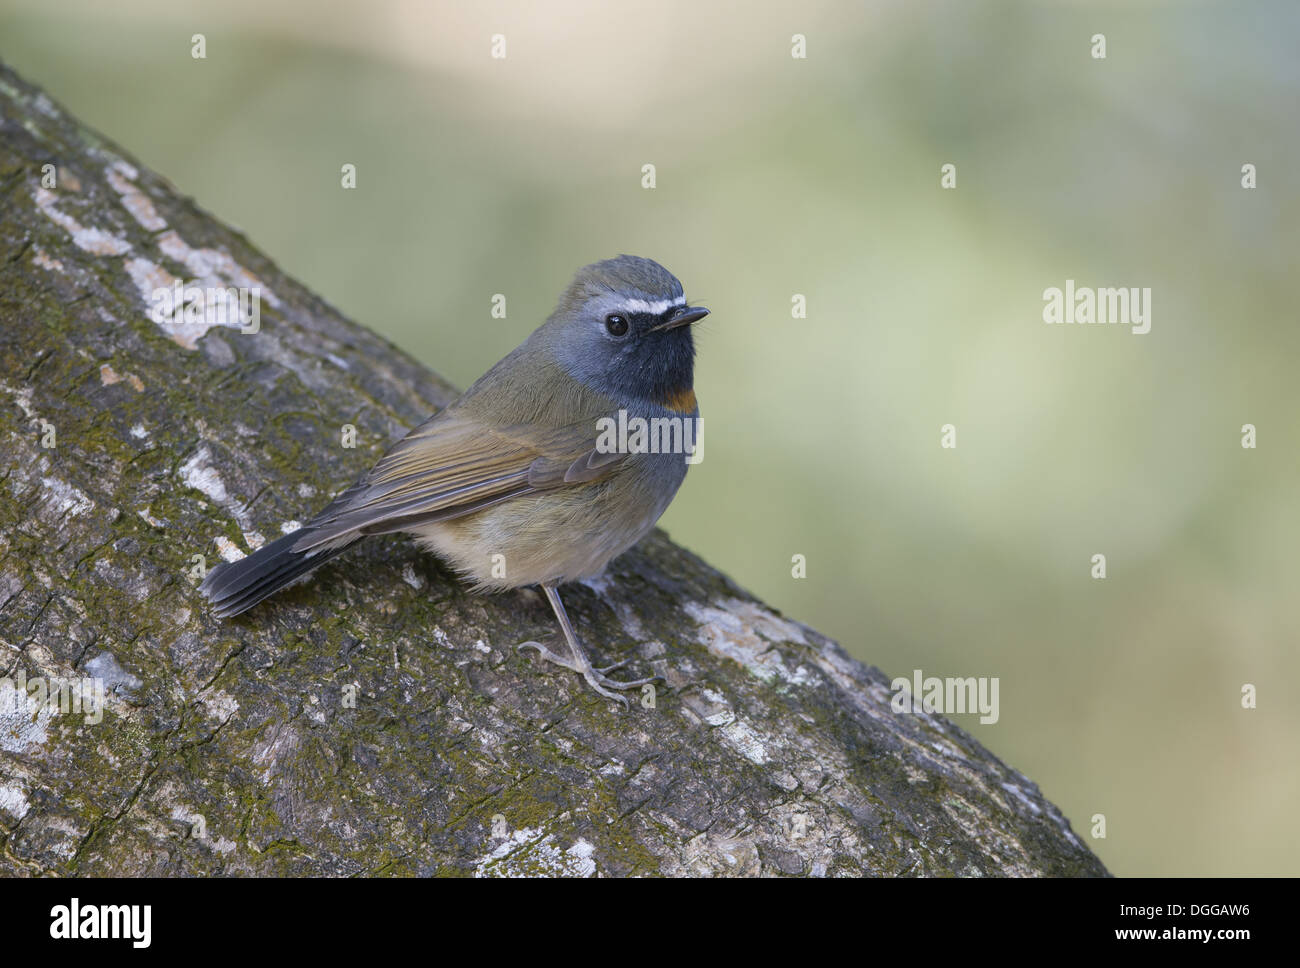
pixel 453 465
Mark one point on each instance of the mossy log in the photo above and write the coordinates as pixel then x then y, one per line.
pixel 377 720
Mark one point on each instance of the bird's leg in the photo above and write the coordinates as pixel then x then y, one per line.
pixel 578 661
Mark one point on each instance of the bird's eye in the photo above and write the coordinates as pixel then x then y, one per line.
pixel 616 324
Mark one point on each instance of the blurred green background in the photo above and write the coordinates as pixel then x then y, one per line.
pixel 820 176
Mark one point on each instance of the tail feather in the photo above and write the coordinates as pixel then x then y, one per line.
pixel 237 586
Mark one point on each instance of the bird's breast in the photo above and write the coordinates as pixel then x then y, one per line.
pixel 679 401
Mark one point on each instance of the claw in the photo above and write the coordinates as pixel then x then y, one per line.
pixel 549 656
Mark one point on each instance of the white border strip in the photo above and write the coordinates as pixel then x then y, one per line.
pixel 653 308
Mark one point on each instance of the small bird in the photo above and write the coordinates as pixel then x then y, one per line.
pixel 516 482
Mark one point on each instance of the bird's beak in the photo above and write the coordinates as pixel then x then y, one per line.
pixel 685 316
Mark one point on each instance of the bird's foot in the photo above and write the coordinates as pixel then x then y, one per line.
pixel 596 678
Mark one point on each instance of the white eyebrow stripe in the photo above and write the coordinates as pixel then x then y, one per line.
pixel 653 308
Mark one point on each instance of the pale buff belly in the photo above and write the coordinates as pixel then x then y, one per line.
pixel 555 536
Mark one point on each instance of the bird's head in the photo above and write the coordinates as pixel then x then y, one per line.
pixel 623 327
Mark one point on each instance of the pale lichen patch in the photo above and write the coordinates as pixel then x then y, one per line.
pixel 92 240
pixel 599 584
pixel 746 632
pixel 185 323
pixel 67 499
pixel 23 397
pixel 23 721
pixel 14 801
pixel 709 854
pixel 530 852
pixel 410 577
pixel 1019 794
pixel 43 104
pixel 742 737
pixel 519 838
pixel 126 168
pixel 228 550
pixel 581 852
pixel 212 267
pixel 219 705
pixel 108 670
pixel 274 748
pixel 45 260
pixel 199 474
pixel 108 376
pixel 136 202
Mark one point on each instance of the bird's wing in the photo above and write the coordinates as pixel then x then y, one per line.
pixel 452 465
